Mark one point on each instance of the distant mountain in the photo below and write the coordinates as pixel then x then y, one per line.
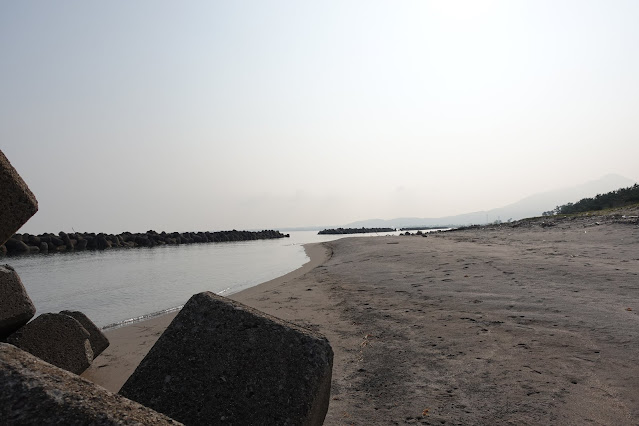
pixel 531 206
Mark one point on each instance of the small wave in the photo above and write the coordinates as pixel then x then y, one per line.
pixel 227 290
pixel 116 325
pixel 130 321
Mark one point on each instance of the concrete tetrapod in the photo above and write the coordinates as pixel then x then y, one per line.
pixel 16 307
pixel 220 362
pixel 33 392
pixel 97 339
pixel 17 202
pixel 57 339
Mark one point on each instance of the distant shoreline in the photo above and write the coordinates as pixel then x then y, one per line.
pixel 346 231
pixel 81 241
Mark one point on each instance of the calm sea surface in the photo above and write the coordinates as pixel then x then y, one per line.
pixel 117 286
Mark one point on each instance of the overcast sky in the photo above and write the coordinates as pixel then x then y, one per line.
pixel 203 115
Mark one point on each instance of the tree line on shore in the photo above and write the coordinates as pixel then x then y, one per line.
pixel 78 241
pixel 618 198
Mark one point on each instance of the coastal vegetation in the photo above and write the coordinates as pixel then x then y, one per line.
pixel 338 231
pixel 78 241
pixel 619 198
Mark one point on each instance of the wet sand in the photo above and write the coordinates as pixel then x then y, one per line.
pixel 495 325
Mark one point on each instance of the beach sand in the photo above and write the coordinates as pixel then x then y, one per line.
pixel 493 325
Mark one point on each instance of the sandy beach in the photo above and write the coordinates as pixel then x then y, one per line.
pixel 528 323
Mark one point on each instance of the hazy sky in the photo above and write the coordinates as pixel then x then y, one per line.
pixel 203 115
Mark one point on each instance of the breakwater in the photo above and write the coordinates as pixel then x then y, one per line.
pixel 78 241
pixel 339 231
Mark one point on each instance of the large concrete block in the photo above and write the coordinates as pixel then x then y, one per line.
pixel 33 392
pixel 98 340
pixel 57 339
pixel 220 362
pixel 16 308
pixel 17 202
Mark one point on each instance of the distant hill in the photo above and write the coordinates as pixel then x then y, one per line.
pixel 531 206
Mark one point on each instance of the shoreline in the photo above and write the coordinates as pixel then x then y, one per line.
pixel 318 254
pixel 130 342
pixel 525 323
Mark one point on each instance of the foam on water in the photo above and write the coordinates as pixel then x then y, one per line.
pixel 141 318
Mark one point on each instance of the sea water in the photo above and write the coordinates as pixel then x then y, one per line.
pixel 118 286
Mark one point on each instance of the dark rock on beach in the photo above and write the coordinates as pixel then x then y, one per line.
pixel 57 339
pixel 17 202
pixel 16 308
pixel 97 339
pixel 221 362
pixel 33 392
